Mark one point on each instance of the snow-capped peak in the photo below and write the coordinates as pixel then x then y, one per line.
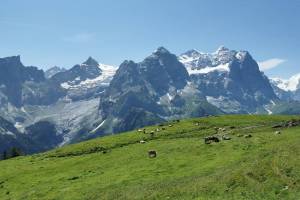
pixel 189 56
pixel 198 63
pixel 191 53
pixel 107 73
pixel 291 84
pixel 222 49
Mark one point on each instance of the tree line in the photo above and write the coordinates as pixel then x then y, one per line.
pixel 11 153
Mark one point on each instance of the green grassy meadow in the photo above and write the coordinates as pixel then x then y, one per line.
pixel 265 166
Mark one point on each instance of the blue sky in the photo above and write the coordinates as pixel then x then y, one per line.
pixel 66 32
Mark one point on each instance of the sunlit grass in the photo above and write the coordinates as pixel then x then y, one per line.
pixel 265 166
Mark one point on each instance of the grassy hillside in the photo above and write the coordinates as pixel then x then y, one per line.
pixel 264 166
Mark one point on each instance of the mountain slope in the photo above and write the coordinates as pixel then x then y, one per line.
pixel 158 87
pixel 118 167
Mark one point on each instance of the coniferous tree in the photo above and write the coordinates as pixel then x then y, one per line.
pixel 4 155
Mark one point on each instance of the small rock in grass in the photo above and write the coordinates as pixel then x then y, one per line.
pixel 104 151
pixel 277 133
pixel 277 126
pixel 286 187
pixel 142 141
pixel 73 178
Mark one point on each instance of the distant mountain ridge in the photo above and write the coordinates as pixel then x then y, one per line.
pixel 28 99
pixel 54 70
pixel 93 99
pixel 287 89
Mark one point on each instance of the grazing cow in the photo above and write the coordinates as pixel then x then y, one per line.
pixel 210 139
pixel 142 141
pixel 170 125
pixel 140 130
pixel 248 136
pixel 293 123
pixel 226 137
pixel 277 132
pixel 152 153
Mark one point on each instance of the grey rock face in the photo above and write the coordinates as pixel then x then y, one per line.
pixel 156 88
pixel 13 75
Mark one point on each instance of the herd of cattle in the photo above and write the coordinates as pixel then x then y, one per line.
pixel 219 135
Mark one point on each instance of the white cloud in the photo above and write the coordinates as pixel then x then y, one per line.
pixel 80 38
pixel 270 64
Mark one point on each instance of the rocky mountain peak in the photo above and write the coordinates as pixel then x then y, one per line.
pixel 190 54
pixel 161 50
pixel 11 61
pixel 90 62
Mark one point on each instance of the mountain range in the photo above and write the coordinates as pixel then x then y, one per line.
pixel 287 89
pixel 42 110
